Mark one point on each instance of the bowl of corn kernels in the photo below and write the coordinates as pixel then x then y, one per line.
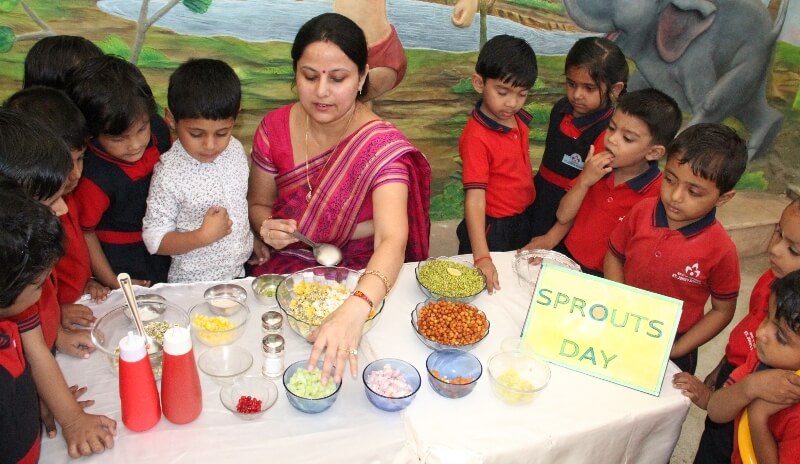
pixel 214 323
pixel 441 324
pixel 451 278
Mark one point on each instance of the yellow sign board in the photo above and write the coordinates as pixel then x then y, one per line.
pixel 602 328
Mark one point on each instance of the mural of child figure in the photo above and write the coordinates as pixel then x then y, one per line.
pixel 386 56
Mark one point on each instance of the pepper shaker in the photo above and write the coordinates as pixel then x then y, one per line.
pixel 272 345
pixel 272 323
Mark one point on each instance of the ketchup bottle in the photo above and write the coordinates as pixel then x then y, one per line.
pixel 137 386
pixel 181 396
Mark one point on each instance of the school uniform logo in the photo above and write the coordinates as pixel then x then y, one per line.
pixel 574 160
pixel 690 274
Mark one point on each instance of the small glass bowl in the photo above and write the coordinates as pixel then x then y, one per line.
pixel 235 313
pixel 265 288
pixel 516 377
pixel 225 363
pixel 309 405
pixel 257 387
pixel 220 295
pixel 528 264
pixel 437 293
pixel 453 364
pixel 392 403
pixel 434 345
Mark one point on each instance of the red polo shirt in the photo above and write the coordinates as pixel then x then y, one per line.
pixel 45 312
pixel 743 337
pixel 604 206
pixel 690 264
pixel 74 269
pixel 496 159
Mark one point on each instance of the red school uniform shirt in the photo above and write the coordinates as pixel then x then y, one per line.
pixel 74 269
pixel 604 206
pixel 743 337
pixel 496 159
pixel 784 424
pixel 45 312
pixel 689 264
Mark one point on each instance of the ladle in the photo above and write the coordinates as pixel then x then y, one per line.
pixel 325 253
pixel 127 289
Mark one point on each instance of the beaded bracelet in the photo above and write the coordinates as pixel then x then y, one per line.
pixel 363 296
pixel 379 275
pixel 475 263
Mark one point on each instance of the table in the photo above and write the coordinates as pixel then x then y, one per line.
pixel 577 418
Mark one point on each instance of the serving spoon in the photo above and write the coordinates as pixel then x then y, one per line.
pixel 127 289
pixel 325 253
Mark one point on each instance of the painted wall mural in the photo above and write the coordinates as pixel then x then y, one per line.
pixel 736 61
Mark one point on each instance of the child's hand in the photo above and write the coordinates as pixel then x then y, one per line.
pixel 77 343
pixel 47 417
pixel 216 224
pixel 540 242
pixel 260 252
pixel 97 291
pixel 486 266
pixel 596 167
pixel 141 282
pixel 775 385
pixel 89 433
pixel 76 315
pixel 692 388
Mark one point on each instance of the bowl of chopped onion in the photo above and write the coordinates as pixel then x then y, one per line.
pixel 307 297
pixel 214 327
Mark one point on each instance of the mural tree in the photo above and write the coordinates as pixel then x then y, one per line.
pixel 483 9
pixel 144 23
pixel 7 35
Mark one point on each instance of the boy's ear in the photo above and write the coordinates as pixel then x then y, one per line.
pixel 724 198
pixel 477 83
pixel 169 118
pixel 655 153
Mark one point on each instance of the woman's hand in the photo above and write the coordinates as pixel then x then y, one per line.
pixel 338 338
pixel 277 232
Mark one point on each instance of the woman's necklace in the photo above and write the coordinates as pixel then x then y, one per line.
pixel 336 147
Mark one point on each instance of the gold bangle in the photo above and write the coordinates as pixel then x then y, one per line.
pixel 363 296
pixel 379 275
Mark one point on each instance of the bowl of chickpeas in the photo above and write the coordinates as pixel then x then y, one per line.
pixel 441 324
pixel 451 278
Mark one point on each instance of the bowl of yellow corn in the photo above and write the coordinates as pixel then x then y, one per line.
pixel 213 327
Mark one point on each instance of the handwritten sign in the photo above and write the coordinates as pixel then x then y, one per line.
pixel 602 328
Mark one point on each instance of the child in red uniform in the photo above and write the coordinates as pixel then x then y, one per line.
pixel 716 444
pixel 774 413
pixel 52 58
pixel 596 72
pixel 673 245
pixel 498 178
pixel 643 124
pixel 127 139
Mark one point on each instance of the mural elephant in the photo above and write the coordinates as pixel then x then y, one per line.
pixel 711 56
pixel 464 12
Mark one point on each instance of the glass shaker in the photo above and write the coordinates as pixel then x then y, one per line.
pixel 272 345
pixel 272 323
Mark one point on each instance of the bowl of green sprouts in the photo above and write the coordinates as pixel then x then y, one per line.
pixel 449 278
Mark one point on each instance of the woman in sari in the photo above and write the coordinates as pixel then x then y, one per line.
pixel 330 168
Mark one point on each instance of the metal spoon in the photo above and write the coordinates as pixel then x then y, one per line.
pixel 325 253
pixel 127 289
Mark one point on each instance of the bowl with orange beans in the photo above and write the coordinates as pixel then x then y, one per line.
pixel 441 324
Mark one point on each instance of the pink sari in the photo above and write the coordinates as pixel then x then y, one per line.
pixel 343 182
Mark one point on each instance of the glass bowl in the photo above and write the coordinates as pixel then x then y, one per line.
pixel 109 329
pixel 225 363
pixel 389 401
pixel 265 287
pixel 308 405
pixel 212 326
pixel 453 373
pixel 516 377
pixel 256 387
pixel 302 285
pixel 219 295
pixel 450 278
pixel 435 345
pixel 527 265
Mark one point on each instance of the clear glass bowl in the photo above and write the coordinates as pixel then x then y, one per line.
pixel 226 291
pixel 440 289
pixel 434 345
pixel 225 363
pixel 516 377
pixel 527 265
pixel 233 312
pixel 265 288
pixel 309 405
pixel 327 275
pixel 254 386
pixel 390 403
pixel 453 364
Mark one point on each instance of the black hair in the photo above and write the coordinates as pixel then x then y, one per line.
pixel 657 110
pixel 509 59
pixel 31 155
pixel 204 89
pixel 52 58
pixel 54 109
pixel 715 152
pixel 111 93
pixel 31 241
pixel 338 30
pixel 602 59
pixel 787 299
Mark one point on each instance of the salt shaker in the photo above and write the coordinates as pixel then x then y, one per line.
pixel 272 323
pixel 273 355
pixel 138 394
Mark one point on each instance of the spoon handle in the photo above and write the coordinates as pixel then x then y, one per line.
pixel 304 239
pixel 127 289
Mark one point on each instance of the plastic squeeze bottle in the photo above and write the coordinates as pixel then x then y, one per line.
pixel 137 386
pixel 181 396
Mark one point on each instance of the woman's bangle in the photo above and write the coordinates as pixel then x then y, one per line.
pixel 478 260
pixel 379 275
pixel 363 296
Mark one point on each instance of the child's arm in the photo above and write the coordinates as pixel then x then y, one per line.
pixel 596 168
pixel 548 241
pixel 765 446
pixel 101 268
pixel 613 268
pixel 475 216
pixel 84 433
pixel 712 323
pixel 777 386
pixel 216 225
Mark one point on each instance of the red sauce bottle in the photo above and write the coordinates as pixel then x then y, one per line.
pixel 181 396
pixel 138 394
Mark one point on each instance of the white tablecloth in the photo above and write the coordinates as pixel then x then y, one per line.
pixel 577 418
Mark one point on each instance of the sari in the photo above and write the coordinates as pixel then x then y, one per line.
pixel 343 179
